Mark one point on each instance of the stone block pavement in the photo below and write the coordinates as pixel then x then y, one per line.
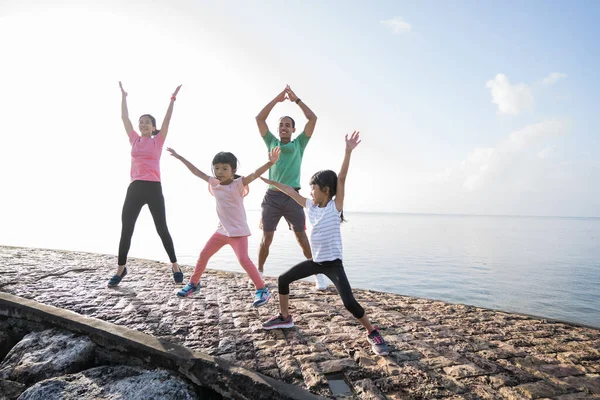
pixel 438 350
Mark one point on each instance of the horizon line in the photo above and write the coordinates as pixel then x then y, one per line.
pixel 465 215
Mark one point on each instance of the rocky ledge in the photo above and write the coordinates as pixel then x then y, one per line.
pixel 57 364
pixel 438 350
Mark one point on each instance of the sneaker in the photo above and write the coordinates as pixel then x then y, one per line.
pixel 279 322
pixel 178 276
pixel 116 279
pixel 378 344
pixel 261 297
pixel 321 282
pixel 188 290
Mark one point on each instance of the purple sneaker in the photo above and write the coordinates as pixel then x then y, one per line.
pixel 261 297
pixel 279 322
pixel 378 344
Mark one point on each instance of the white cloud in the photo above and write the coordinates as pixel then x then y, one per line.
pixel 548 152
pixel 511 99
pixel 522 138
pixel 514 99
pixel 553 77
pixel 484 163
pixel 397 24
pixel 476 166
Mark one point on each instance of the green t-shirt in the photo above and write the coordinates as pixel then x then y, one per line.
pixel 287 168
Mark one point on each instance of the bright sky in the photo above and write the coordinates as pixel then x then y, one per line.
pixel 485 108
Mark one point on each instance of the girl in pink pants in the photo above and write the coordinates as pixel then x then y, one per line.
pixel 229 191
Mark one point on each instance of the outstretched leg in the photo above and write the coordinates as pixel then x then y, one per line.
pixel 156 204
pixel 213 245
pixel 297 272
pixel 134 201
pixel 271 213
pixel 240 248
pixel 302 240
pixel 335 271
pixel 263 249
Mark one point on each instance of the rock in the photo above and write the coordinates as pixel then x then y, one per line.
pixel 46 354
pixel 288 367
pixel 367 390
pixel 330 367
pixel 11 331
pixel 560 370
pixel 10 390
pixel 590 383
pixel 6 343
pixel 461 371
pixel 537 389
pixel 112 383
pixel 312 376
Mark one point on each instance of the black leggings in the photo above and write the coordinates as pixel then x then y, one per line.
pixel 140 193
pixel 334 271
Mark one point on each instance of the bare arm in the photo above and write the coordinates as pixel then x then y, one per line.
pixel 341 183
pixel 273 157
pixel 309 128
pixel 290 191
pixel 188 164
pixel 261 118
pixel 164 129
pixel 124 111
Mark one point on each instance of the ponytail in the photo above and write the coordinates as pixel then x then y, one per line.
pixel 327 179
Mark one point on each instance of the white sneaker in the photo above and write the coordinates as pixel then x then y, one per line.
pixel 321 282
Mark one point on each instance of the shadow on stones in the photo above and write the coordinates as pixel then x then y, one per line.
pixel 51 363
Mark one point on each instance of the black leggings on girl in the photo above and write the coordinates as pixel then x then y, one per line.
pixel 140 193
pixel 334 270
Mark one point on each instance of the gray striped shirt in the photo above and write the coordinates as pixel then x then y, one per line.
pixel 325 238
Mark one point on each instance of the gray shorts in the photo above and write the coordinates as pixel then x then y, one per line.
pixel 277 204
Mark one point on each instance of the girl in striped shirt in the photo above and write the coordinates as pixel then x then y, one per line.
pixel 325 214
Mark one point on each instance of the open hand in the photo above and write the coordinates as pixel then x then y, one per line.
pixel 282 96
pixel 274 154
pixel 290 93
pixel 123 92
pixel 176 91
pixel 265 180
pixel 173 153
pixel 353 141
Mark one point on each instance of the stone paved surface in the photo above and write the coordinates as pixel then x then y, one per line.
pixel 439 350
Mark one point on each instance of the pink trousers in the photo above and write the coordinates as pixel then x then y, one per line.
pixel 240 247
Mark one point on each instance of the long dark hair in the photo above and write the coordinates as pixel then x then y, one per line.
pixel 327 179
pixel 225 157
pixel 154 131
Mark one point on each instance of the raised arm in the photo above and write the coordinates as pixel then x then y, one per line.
pixel 164 129
pixel 290 191
pixel 341 183
pixel 261 118
pixel 188 164
pixel 309 128
pixel 273 157
pixel 124 111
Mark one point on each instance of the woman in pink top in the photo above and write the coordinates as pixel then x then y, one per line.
pixel 145 187
pixel 229 191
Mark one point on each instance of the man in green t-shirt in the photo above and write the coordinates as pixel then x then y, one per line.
pixel 287 170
